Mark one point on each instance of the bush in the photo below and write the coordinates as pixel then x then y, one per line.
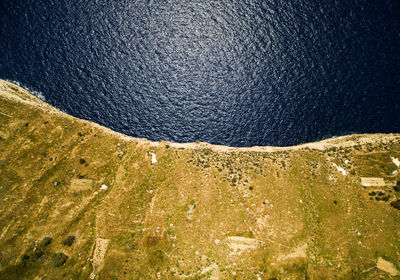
pixel 59 259
pixel 37 253
pixel 396 204
pixel 69 240
pixel 46 241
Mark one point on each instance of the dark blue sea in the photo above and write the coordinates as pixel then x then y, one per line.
pixel 239 73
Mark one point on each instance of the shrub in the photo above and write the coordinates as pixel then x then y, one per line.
pixel 59 259
pixel 46 241
pixel 37 253
pixel 396 204
pixel 69 240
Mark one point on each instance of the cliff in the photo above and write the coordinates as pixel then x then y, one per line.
pixel 79 201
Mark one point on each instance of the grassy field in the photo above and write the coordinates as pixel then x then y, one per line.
pixel 78 201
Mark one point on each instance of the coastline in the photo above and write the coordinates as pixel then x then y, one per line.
pixel 16 92
pixel 186 210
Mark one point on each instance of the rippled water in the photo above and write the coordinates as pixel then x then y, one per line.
pixel 239 73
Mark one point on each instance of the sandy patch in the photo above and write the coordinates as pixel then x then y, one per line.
pixel 372 182
pixel 239 244
pixel 98 256
pixel 299 252
pixel 386 266
pixel 78 185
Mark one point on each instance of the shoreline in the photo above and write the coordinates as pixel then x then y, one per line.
pixel 15 92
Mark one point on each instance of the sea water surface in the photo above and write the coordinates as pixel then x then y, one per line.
pixel 239 73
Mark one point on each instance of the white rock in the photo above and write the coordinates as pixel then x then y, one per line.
pixel 153 158
pixel 103 187
pixel 340 169
pixel 396 161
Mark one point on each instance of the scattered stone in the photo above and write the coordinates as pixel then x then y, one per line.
pixel 59 259
pixel 56 183
pixel 46 241
pixel 69 240
pixel 387 266
pixel 103 187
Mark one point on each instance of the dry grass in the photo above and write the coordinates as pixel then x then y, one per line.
pixel 177 218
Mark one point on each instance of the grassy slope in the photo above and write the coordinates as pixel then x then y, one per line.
pixel 307 219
